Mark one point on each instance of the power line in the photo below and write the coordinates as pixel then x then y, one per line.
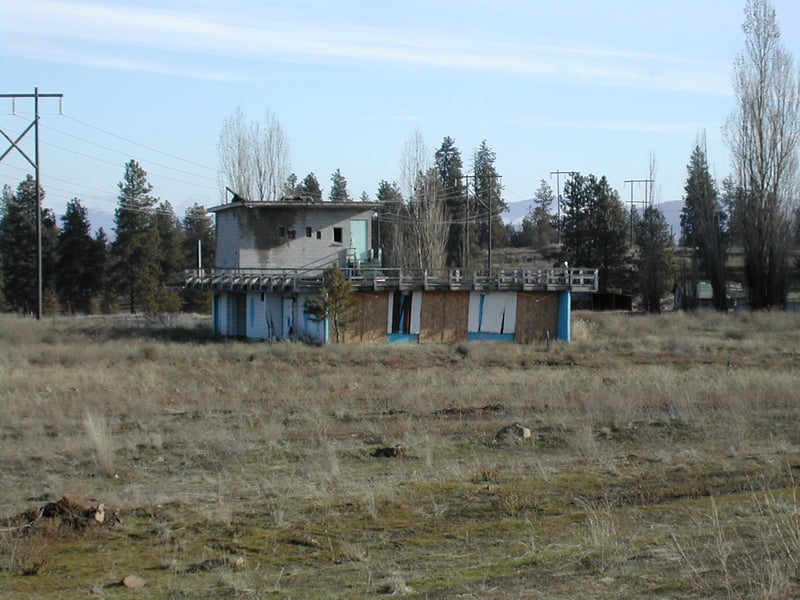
pixel 130 141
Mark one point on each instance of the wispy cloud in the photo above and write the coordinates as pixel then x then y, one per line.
pixel 82 32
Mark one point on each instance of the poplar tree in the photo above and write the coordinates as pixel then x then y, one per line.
pixel 763 134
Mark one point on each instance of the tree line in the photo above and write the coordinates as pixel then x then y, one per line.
pixel 84 273
pixel 443 214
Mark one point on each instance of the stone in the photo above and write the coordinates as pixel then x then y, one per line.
pixel 512 434
pixel 133 582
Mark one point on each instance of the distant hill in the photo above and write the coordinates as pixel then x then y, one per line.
pixel 672 212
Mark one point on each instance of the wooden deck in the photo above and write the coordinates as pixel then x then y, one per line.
pixel 309 281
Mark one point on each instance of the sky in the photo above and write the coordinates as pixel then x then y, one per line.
pixel 596 86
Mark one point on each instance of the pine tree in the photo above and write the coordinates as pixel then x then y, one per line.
pixel 339 191
pixel 392 218
pixel 335 302
pixel 702 225
pixel 449 165
pixel 198 238
pixel 488 203
pixel 655 264
pixel 538 227
pixel 170 237
pixel 78 278
pixel 138 272
pixel 18 243
pixel 594 230
pixel 310 187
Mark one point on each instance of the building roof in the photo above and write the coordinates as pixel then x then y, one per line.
pixel 300 202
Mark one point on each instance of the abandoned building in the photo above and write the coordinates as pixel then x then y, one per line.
pixel 271 257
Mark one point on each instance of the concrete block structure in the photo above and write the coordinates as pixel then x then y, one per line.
pixel 271 257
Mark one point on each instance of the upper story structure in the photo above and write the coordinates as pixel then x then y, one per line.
pixel 294 233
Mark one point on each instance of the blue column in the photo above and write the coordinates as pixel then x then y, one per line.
pixel 565 317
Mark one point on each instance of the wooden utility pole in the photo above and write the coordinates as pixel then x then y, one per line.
pixel 35 164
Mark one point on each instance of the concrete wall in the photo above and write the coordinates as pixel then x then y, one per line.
pixel 284 236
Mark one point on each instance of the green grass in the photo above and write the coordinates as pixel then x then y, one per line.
pixel 663 462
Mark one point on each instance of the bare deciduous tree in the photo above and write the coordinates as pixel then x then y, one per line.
pixel 429 223
pixel 428 220
pixel 253 159
pixel 763 133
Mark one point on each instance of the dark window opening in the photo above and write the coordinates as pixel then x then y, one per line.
pixel 281 231
pixel 337 235
pixel 308 231
pixel 292 234
pixel 319 235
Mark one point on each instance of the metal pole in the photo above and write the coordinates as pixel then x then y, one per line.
pixel 38 206
pixel 558 173
pixel 35 164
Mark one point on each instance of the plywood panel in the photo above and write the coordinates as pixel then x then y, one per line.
pixel 444 316
pixel 537 313
pixel 370 325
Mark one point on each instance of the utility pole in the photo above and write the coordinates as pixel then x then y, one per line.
pixel 466 220
pixel 645 201
pixel 488 206
pixel 558 173
pixel 35 164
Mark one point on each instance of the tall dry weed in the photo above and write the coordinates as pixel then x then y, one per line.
pixel 100 442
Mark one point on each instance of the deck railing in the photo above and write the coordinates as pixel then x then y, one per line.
pixel 310 280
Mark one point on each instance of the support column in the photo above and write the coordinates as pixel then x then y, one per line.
pixel 564 332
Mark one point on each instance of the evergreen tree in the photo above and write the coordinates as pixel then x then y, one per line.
pixel 18 243
pixel 199 237
pixel 310 187
pixel 449 165
pixel 392 216
pixel 339 188
pixel 538 226
pixel 594 230
pixel 655 264
pixel 138 272
pixel 488 203
pixel 78 274
pixel 335 302
pixel 290 187
pixel 702 225
pixel 170 237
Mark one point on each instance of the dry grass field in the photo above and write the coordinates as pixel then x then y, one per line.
pixel 664 462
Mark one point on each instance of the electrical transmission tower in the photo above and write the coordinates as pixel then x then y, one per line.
pixel 645 202
pixel 35 164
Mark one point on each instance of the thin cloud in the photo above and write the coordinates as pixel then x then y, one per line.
pixel 70 27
